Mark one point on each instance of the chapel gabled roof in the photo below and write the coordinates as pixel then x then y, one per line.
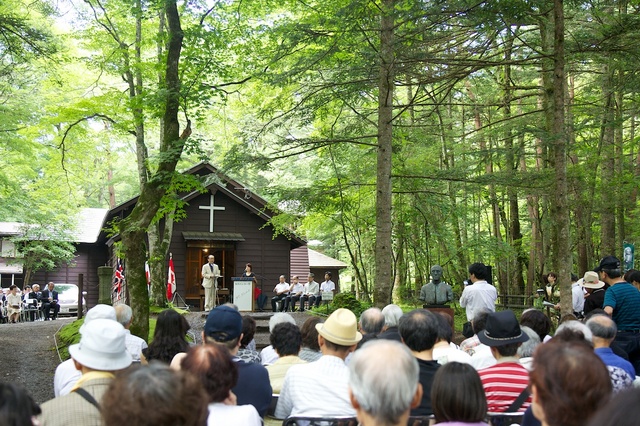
pixel 215 179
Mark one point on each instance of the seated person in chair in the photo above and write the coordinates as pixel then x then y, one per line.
pixel 49 300
pixel 13 304
pixel 295 294
pixel 310 293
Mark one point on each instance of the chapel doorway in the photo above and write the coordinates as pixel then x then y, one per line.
pixel 197 255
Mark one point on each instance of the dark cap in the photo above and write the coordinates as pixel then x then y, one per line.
pixel 223 324
pixel 609 262
pixel 501 329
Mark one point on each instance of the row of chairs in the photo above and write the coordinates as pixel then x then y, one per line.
pixel 28 312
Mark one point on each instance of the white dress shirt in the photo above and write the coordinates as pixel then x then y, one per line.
pixel 317 389
pixel 481 295
pixel 328 286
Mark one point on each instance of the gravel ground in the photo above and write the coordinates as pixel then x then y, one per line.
pixel 28 355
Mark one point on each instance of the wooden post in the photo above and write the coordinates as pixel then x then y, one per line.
pixel 80 294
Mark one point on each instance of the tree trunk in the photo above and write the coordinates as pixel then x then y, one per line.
pixel 383 248
pixel 560 206
pixel 133 228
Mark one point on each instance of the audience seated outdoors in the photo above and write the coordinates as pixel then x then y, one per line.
pixel 505 383
pixel 247 351
pixel 155 395
pixel 443 350
pixel 379 394
pixel 310 348
pixel 286 340
pixel 371 324
pixel 135 345
pixel 100 353
pixel 419 329
pixel 457 396
pixel 213 366
pixel 224 327
pixel 169 338
pixel 392 314
pixel 577 332
pixel 569 383
pixel 17 407
pixel 320 388
pixel 66 374
pixel 268 355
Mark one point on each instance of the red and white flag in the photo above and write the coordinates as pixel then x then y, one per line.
pixel 147 274
pixel 171 281
pixel 118 282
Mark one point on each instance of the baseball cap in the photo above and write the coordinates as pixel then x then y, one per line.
pixel 608 262
pixel 223 324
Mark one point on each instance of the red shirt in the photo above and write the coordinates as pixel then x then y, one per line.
pixel 502 385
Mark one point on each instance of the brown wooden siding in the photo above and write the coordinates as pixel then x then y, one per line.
pixel 269 257
pixel 88 258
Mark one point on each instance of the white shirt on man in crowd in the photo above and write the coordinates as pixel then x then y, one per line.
pixel 478 296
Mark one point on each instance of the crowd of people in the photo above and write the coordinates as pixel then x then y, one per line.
pixel 31 302
pixel 387 367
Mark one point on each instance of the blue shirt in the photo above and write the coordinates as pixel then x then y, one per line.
pixel 609 358
pixel 624 299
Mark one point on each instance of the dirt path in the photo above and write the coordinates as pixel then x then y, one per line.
pixel 28 355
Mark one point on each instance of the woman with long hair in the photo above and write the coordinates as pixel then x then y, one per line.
pixel 168 339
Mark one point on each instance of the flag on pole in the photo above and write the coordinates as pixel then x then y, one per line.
pixel 147 274
pixel 171 281
pixel 118 281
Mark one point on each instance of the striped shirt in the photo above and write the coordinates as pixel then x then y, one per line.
pixel 502 385
pixel 624 299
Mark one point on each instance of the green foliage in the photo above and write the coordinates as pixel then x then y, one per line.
pixel 70 335
pixel 346 301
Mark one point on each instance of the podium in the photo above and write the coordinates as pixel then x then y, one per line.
pixel 243 293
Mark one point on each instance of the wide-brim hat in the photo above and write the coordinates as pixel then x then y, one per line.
pixel 591 280
pixel 501 329
pixel 98 311
pixel 102 346
pixel 340 328
pixel 608 262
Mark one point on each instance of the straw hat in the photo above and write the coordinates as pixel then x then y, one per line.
pixel 340 328
pixel 591 280
pixel 102 346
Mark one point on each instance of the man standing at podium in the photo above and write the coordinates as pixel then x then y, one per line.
pixel 210 274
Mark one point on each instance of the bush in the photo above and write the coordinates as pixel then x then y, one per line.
pixel 347 301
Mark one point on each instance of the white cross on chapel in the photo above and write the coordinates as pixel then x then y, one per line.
pixel 211 207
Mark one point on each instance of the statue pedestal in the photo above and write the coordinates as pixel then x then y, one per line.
pixel 436 309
